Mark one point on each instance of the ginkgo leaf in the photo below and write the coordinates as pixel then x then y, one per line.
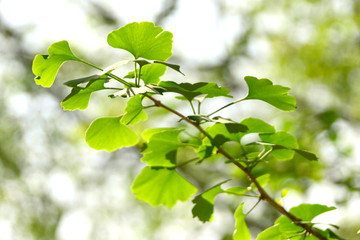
pixel 143 40
pixel 79 97
pixel 162 186
pixel 276 95
pixel 204 203
pixel 263 180
pixel 308 155
pixel 307 212
pixel 241 230
pixel 256 125
pixel 252 125
pixel 150 74
pixel 162 148
pixel 284 228
pixel 109 134
pixel 78 81
pixel 143 62
pixel 132 91
pixel 236 190
pixel 190 91
pixel 45 67
pixel 283 139
pixel 271 233
pixel 134 111
pixel 148 133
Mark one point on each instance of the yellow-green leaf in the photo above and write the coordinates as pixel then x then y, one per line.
pixel 162 186
pixel 109 134
pixel 45 67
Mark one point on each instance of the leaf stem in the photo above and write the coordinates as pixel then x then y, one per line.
pixel 192 107
pixel 107 74
pixel 253 207
pixel 135 73
pixel 263 194
pixel 227 105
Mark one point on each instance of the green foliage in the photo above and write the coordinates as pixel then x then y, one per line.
pixel 241 230
pixel 79 97
pixel 307 212
pixel 160 182
pixel 282 139
pixel 276 95
pixel 190 91
pixel 162 148
pixel 134 111
pixel 45 67
pixel 143 40
pixel 109 134
pixel 162 186
pixel 204 203
pixel 284 228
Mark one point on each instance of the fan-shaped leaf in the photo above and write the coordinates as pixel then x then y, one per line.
pixel 45 67
pixel 143 62
pixel 204 203
pixel 190 91
pixel 276 95
pixel 307 212
pixel 132 91
pixel 283 139
pixel 143 40
pixel 162 148
pixel 79 97
pixel 109 134
pixel 134 111
pixel 271 233
pixel 162 186
pixel 241 230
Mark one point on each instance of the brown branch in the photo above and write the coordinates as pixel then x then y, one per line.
pixel 263 194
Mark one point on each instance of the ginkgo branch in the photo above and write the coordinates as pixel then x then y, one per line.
pixel 263 194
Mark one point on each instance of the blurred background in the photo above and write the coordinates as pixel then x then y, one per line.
pixel 53 186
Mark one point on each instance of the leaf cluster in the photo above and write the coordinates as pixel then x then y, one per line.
pixel 161 182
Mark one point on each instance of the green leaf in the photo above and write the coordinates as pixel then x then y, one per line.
pixel 253 125
pixel 147 134
pixel 45 67
pixel 307 212
pixel 134 111
pixel 308 155
pixel 284 193
pixel 162 186
pixel 263 180
pixel 132 91
pixel 109 134
pixel 236 190
pixel 143 40
pixel 190 91
pixel 162 148
pixel 271 233
pixel 76 82
pixel 152 73
pixel 79 97
pixel 287 227
pixel 283 139
pixel 241 230
pixel 204 203
pixel 143 62
pixel 276 95
pixel 256 125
